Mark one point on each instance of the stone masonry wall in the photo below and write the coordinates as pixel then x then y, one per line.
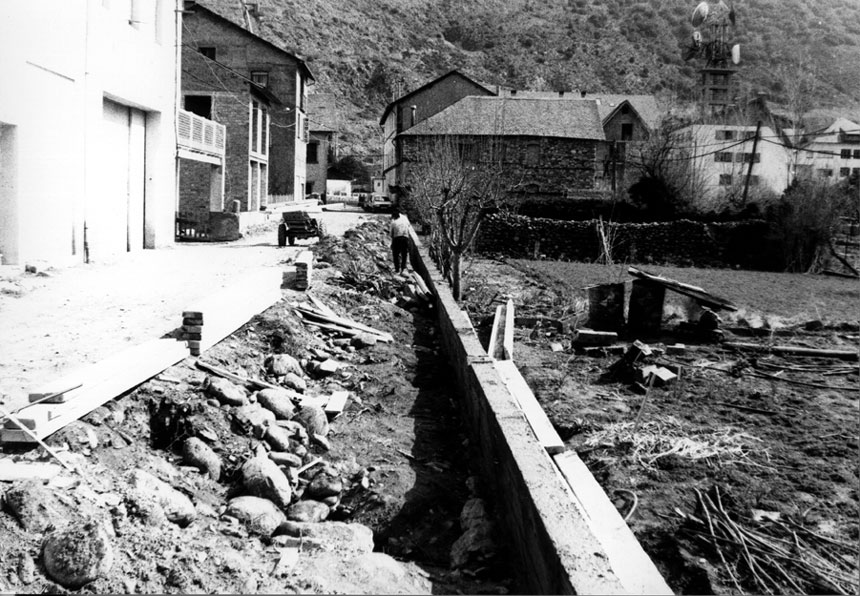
pixel 684 242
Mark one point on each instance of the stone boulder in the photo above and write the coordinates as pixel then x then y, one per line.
pixel 226 392
pixel 314 419
pixel 198 454
pixel 253 419
pixel 263 478
pixel 260 516
pixel 77 554
pixel 279 365
pixel 34 506
pixel 308 511
pixel 278 402
pixel 155 498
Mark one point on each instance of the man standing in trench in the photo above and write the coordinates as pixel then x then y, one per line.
pixel 399 240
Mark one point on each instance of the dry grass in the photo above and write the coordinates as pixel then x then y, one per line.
pixel 757 293
pixel 656 439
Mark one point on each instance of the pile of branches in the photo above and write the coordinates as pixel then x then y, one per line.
pixel 656 439
pixel 773 557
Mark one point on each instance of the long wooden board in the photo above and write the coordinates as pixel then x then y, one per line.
pixel 537 418
pixel 129 369
pixel 794 350
pixel 494 348
pixel 628 560
pixel 696 292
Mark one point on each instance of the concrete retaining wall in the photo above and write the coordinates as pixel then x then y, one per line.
pixel 549 534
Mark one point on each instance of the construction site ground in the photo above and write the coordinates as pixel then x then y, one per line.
pixel 723 452
pixel 397 452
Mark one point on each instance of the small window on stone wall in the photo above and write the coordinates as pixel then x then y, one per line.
pixel 531 157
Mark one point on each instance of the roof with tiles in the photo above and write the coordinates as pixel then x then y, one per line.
pixel 515 116
pixel 645 105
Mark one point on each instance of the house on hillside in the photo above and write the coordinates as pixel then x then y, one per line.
pixel 833 153
pixel 724 157
pixel 322 144
pixel 259 92
pixel 87 136
pixel 413 108
pixel 547 147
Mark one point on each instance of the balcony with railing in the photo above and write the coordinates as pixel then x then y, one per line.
pixel 199 138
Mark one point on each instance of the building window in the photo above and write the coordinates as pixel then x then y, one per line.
pixel 260 77
pixel 845 154
pixel 208 51
pixel 723 157
pixel 843 172
pixel 857 154
pixel 625 109
pixel 200 105
pixel 626 130
pixel 825 172
pixel 313 150
pixel 855 172
pixel 725 135
pixel 754 180
pixel 725 179
pixel 747 157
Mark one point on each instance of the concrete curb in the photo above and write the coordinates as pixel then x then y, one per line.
pixel 556 537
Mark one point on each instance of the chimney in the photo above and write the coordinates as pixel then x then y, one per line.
pixel 561 93
pixel 413 108
pixel 582 94
pixel 513 92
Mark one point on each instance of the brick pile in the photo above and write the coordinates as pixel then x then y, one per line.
pixel 192 330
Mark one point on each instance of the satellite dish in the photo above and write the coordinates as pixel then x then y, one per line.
pixel 697 38
pixel 700 14
pixel 736 53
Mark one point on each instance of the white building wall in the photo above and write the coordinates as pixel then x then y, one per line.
pixel 59 61
pixel 706 141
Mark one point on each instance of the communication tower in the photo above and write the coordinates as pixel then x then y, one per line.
pixel 711 44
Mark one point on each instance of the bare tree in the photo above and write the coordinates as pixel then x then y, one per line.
pixel 797 76
pixel 456 181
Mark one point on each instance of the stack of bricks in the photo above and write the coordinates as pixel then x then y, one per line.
pixel 304 267
pixel 192 330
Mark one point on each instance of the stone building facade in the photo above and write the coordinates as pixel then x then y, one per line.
pixel 226 69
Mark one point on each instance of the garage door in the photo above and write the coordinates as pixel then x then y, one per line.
pixel 115 213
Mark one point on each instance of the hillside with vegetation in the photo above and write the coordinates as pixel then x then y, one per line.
pixel 369 51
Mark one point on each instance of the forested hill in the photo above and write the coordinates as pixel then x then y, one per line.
pixel 368 51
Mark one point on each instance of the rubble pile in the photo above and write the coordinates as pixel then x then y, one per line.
pixel 276 462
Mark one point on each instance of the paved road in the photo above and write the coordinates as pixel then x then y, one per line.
pixel 81 314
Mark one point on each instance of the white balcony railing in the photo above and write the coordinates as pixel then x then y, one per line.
pixel 200 134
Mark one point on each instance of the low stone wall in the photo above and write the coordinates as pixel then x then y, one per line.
pixel 684 242
pixel 551 538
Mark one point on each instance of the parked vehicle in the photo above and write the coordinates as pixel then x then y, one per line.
pixel 298 225
pixel 378 203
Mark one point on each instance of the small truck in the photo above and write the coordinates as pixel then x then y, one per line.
pixel 298 225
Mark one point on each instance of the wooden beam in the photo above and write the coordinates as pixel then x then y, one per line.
pixel 494 350
pixel 344 322
pixel 632 565
pixel 508 336
pixel 696 292
pixel 794 350
pixel 130 368
pixel 13 471
pixel 528 403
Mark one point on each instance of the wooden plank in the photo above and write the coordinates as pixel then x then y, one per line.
pixel 508 336
pixel 494 350
pixel 338 320
pixel 628 560
pixel 794 350
pixel 696 292
pixel 336 403
pixel 321 306
pixel 537 418
pixel 12 471
pixel 129 369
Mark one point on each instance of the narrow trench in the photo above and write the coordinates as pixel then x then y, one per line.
pixel 429 529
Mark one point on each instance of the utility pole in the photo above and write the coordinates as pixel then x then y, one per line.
pixel 752 161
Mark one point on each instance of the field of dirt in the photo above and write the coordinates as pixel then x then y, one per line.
pixel 741 476
pixel 395 461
